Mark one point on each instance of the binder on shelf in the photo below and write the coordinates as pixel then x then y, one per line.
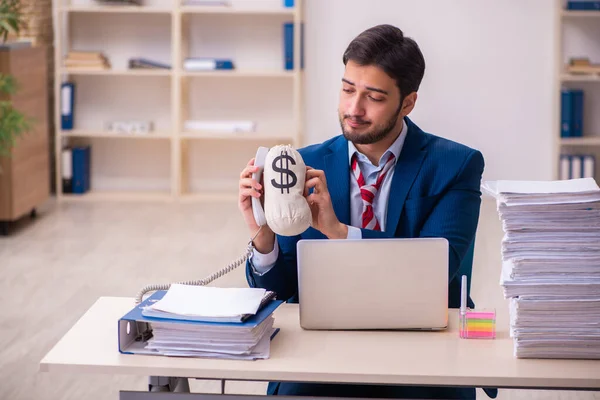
pixel 67 170
pixel 67 95
pixel 577 99
pixel 571 113
pixel 576 166
pixel 564 167
pixel 135 329
pixel 583 5
pixel 288 3
pixel 288 45
pixel 207 64
pixel 589 166
pixel 81 169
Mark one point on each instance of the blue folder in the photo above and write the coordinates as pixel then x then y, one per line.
pixel 67 98
pixel 135 329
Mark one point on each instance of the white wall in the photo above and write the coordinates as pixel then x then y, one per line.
pixel 488 81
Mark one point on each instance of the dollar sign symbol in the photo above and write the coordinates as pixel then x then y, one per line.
pixel 284 172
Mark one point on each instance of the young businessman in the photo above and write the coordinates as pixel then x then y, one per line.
pixel 384 177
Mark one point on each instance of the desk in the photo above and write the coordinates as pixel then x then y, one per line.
pixel 402 358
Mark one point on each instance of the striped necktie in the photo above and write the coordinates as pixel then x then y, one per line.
pixel 368 192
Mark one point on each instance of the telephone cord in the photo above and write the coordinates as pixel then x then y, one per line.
pixel 208 279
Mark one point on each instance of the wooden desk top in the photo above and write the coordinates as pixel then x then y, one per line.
pixel 420 358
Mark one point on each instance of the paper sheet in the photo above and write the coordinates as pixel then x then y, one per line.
pixel 212 302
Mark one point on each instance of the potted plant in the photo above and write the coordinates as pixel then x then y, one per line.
pixel 12 122
pixel 24 149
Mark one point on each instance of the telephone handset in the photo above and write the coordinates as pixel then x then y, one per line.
pixel 257 208
pixel 285 211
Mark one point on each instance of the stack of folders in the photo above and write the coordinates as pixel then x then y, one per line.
pixel 211 322
pixel 551 265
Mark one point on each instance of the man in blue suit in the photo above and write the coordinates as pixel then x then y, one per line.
pixel 384 177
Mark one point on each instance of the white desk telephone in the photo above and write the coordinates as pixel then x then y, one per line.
pixel 286 210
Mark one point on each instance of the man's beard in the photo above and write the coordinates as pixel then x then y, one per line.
pixel 374 135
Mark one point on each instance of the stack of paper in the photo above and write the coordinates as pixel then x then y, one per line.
pixel 551 265
pixel 201 321
pixel 89 60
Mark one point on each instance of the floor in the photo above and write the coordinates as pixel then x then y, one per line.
pixel 54 267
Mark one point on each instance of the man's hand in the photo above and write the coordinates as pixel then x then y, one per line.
pixel 249 188
pixel 323 216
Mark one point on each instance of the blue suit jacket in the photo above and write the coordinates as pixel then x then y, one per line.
pixel 435 192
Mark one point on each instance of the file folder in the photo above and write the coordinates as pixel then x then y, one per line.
pixel 135 329
pixel 565 167
pixel 589 166
pixel 67 95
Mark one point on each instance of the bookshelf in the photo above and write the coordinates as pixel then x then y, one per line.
pixel 172 163
pixel 577 36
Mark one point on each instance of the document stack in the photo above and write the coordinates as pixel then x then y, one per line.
pixel 201 321
pixel 551 265
pixel 88 60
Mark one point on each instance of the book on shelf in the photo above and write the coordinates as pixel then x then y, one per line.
pixel 207 64
pixel 91 60
pixel 120 2
pixel 144 63
pixel 571 112
pixel 582 66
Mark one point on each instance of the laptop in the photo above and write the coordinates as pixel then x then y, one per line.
pixel 373 284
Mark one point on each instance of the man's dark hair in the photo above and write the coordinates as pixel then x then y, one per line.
pixel 386 47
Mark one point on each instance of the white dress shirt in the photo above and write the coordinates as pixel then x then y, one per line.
pixel 262 263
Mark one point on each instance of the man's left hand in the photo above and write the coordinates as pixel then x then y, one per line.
pixel 323 215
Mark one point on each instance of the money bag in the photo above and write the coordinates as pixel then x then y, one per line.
pixel 286 209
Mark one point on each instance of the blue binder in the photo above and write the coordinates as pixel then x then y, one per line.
pixel 81 169
pixel 566 113
pixel 288 45
pixel 577 109
pixel 583 5
pixel 288 3
pixel 67 105
pixel 135 329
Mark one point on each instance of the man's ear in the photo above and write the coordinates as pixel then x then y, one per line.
pixel 408 104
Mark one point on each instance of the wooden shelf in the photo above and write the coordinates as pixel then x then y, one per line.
pixel 118 196
pixel 116 72
pixel 117 9
pixel 580 14
pixel 211 196
pixel 236 10
pixel 171 36
pixel 581 141
pixel 246 136
pixel 105 134
pixel 580 77
pixel 239 74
